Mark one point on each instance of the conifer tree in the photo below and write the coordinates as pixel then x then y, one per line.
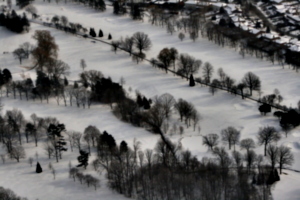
pixel 100 33
pixel 192 81
pixel 38 168
pixel 83 159
pixel 109 36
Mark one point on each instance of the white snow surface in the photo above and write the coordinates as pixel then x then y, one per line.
pixel 218 111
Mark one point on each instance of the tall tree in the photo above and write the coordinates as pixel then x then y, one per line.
pixel 230 135
pixel 210 140
pixel 285 157
pixel 142 41
pixel 54 133
pixel 19 54
pixel 247 144
pixel 267 135
pixel 46 49
pixel 188 65
pixel 207 72
pixel 251 81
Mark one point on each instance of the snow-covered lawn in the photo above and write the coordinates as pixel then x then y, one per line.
pixel 218 111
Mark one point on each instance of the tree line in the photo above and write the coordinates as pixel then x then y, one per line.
pixel 14 22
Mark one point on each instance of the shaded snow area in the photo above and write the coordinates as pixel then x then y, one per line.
pixel 217 112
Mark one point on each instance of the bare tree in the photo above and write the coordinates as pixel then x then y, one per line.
pixel 115 45
pixel 250 158
pixel 122 81
pixel 210 140
pixel 30 161
pixel 238 158
pixel 285 157
pixel 188 65
pixel 17 153
pixel 207 72
pixel 128 45
pixel 19 54
pixel 31 9
pixel 251 81
pixel 155 117
pixel 53 173
pixel 77 139
pixel 15 119
pixel 196 117
pixel 2 156
pixel 27 48
pixel 49 148
pixel 167 101
pixel 267 135
pixel 57 68
pixel 64 20
pixel 82 64
pixel 141 41
pixel 222 157
pixel 247 144
pixel 231 136
pixel 272 155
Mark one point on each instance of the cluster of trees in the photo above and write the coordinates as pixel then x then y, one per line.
pixel 62 23
pixel 135 45
pixel 9 194
pixel 87 179
pixel 14 22
pixel 155 114
pixel 15 129
pixel 170 172
pixel 23 51
pixel 187 66
pixel 266 136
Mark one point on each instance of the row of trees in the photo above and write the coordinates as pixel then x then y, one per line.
pixel 188 65
pixel 88 179
pixel 139 41
pixel 266 136
pixel 95 4
pixel 170 172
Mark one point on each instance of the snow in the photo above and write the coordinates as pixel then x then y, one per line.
pixel 218 111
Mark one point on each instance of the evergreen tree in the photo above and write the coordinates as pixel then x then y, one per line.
pixel 116 7
pixel 66 82
pixel 38 168
pixel 54 133
pixel 192 81
pixel 109 36
pixel 92 32
pixel 139 101
pixel 83 159
pixel 146 103
pixel 123 147
pixel 100 33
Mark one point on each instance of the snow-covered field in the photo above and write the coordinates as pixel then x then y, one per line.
pixel 218 111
